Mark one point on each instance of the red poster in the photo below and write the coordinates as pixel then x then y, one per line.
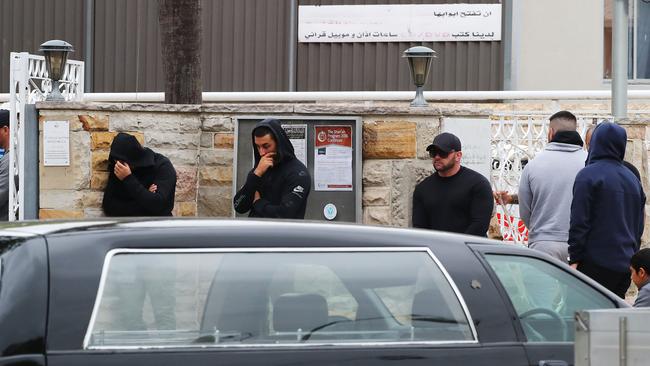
pixel 333 158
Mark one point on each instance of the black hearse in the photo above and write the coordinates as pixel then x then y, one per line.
pixel 223 292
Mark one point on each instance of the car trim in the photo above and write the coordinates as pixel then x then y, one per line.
pixel 113 252
pixel 17 234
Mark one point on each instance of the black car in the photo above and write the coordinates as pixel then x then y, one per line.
pixel 224 292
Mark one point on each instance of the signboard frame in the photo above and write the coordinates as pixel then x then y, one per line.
pixel 56 143
pixel 311 121
pixel 400 23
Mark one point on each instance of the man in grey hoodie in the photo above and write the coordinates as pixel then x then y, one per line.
pixel 546 187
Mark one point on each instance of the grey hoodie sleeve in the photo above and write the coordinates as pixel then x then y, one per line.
pixel 643 299
pixel 4 186
pixel 525 198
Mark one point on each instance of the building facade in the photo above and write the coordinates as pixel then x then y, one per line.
pixel 252 45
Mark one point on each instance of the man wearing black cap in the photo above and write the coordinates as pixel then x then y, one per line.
pixel 4 165
pixel 454 198
pixel 141 182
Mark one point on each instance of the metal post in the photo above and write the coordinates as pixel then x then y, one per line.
pixel 419 100
pixel 619 59
pixel 510 39
pixel 19 96
pixel 30 188
pixel 89 34
pixel 293 43
pixel 622 341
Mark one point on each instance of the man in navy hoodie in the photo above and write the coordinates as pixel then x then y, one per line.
pixel 607 212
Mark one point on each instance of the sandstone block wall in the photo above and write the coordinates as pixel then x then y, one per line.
pixel 199 140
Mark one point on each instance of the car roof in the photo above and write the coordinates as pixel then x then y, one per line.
pixel 302 228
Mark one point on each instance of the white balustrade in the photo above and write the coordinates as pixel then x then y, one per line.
pixel 29 83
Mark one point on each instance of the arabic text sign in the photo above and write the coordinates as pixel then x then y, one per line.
pixel 399 23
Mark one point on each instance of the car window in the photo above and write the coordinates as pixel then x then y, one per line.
pixel 231 299
pixel 316 279
pixel 544 296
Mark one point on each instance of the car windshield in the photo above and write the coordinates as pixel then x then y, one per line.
pixel 185 298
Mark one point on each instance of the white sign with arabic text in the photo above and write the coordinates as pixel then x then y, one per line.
pixel 399 23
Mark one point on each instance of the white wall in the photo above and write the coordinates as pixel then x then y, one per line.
pixel 557 45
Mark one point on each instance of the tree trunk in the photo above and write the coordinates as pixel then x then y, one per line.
pixel 180 36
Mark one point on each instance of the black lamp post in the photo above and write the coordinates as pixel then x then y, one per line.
pixel 419 58
pixel 56 56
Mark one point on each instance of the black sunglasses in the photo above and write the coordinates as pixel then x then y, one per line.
pixel 442 154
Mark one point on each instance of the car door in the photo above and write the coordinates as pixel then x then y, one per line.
pixel 318 306
pixel 544 296
pixel 23 299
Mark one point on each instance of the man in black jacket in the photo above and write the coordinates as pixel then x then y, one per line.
pixel 279 184
pixel 454 198
pixel 141 182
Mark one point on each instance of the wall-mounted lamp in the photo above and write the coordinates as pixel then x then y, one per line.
pixel 419 58
pixel 56 56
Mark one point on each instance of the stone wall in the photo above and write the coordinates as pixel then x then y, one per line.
pixel 199 141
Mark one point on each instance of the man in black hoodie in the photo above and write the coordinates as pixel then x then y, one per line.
pixel 279 184
pixel 141 182
pixel 607 212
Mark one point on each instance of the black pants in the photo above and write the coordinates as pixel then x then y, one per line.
pixel 616 282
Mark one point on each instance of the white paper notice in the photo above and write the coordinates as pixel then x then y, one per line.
pixel 56 143
pixel 474 135
pixel 298 136
pixel 333 158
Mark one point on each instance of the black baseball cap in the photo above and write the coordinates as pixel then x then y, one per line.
pixel 4 117
pixel 445 142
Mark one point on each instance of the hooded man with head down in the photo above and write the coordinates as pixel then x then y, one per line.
pixel 607 212
pixel 141 182
pixel 279 184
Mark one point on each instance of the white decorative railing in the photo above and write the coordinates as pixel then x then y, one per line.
pixel 29 83
pixel 516 139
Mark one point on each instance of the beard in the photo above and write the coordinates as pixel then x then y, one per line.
pixel 443 167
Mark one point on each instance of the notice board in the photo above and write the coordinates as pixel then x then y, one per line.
pixel 330 147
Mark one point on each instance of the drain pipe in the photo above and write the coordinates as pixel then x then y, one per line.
pixel 619 60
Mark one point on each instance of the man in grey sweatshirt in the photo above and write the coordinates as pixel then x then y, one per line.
pixel 546 187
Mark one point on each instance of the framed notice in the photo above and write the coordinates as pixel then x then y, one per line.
pixel 56 143
pixel 298 137
pixel 333 158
